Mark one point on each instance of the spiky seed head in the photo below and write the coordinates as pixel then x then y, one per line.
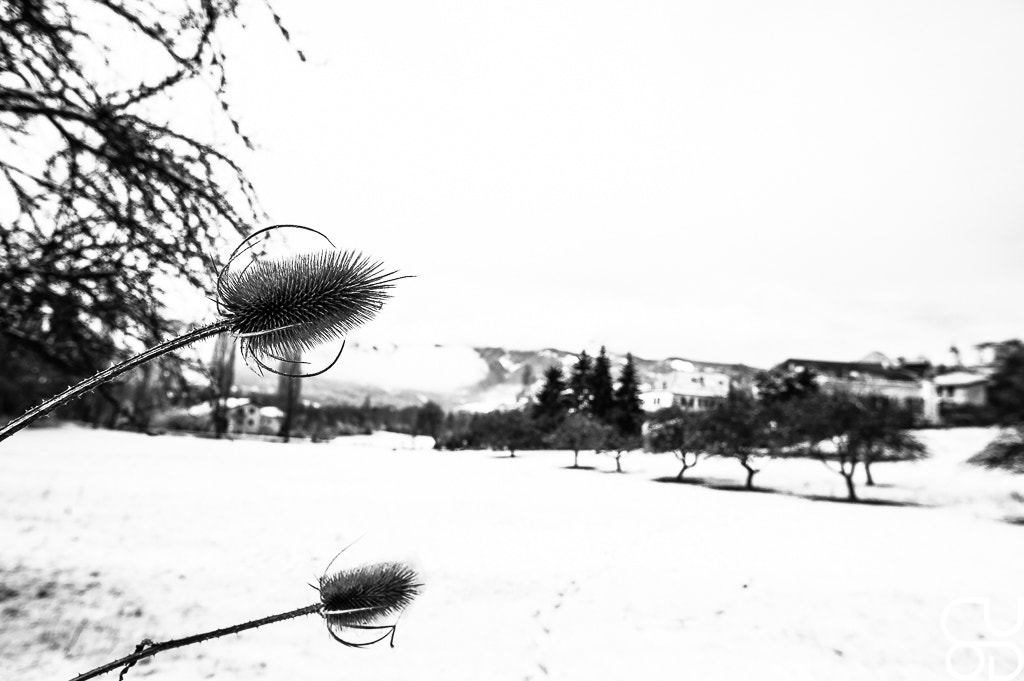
pixel 368 593
pixel 285 306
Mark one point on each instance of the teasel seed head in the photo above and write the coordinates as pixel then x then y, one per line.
pixel 367 594
pixel 280 308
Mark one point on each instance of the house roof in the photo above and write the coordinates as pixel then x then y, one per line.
pixel 204 408
pixel 852 369
pixel 996 344
pixel 876 357
pixel 271 412
pixel 960 378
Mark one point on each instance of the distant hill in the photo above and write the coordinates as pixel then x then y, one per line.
pixel 454 376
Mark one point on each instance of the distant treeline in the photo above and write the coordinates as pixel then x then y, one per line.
pixel 585 406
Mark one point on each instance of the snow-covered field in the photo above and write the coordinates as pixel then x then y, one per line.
pixel 532 571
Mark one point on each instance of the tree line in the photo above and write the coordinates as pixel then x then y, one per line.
pixel 584 410
pixel 844 431
pixel 789 417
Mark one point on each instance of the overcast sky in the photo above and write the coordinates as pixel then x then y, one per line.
pixel 722 180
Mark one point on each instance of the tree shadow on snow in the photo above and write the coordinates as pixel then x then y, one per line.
pixel 579 468
pixel 734 487
pixel 1014 520
pixel 699 482
pixel 862 502
pixel 723 485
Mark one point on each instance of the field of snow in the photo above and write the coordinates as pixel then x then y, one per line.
pixel 532 570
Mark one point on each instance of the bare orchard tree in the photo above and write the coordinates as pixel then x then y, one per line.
pixel 511 431
pixel 845 431
pixel 740 428
pixel 618 443
pixel 885 436
pixel 825 427
pixel 579 432
pixel 102 195
pixel 684 433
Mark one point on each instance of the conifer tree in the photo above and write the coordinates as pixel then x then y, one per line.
pixel 551 406
pixel 629 413
pixel 602 395
pixel 222 380
pixel 579 384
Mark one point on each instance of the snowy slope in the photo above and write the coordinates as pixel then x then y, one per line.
pixel 532 571
pixel 456 376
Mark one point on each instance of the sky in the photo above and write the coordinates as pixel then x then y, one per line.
pixel 722 180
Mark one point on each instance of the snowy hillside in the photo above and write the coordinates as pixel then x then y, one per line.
pixel 456 376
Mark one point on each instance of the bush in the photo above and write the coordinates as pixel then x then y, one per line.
pixel 1006 452
pixel 965 415
pixel 180 420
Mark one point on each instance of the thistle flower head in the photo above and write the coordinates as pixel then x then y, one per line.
pixel 280 308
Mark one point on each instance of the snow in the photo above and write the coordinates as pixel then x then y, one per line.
pixel 508 365
pixel 682 365
pixel 532 570
pixel 500 397
pixel 272 412
pixel 418 367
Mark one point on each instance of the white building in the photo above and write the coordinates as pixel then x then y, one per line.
pixel 686 387
pixel 962 387
pixel 243 416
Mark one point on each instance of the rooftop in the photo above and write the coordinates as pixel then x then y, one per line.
pixel 851 369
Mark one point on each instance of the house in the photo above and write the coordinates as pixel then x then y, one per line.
pixel 270 419
pixel 863 378
pixel 966 387
pixel 962 388
pixel 242 416
pixel 991 354
pixel 685 386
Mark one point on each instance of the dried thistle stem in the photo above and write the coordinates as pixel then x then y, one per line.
pixel 152 649
pixel 102 377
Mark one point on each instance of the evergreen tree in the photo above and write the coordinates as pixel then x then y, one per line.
pixel 602 396
pixel 579 384
pixel 629 413
pixel 1006 387
pixel 429 419
pixel 551 406
pixel 783 385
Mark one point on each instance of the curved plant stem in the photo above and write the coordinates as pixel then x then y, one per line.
pixel 148 649
pixel 107 374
